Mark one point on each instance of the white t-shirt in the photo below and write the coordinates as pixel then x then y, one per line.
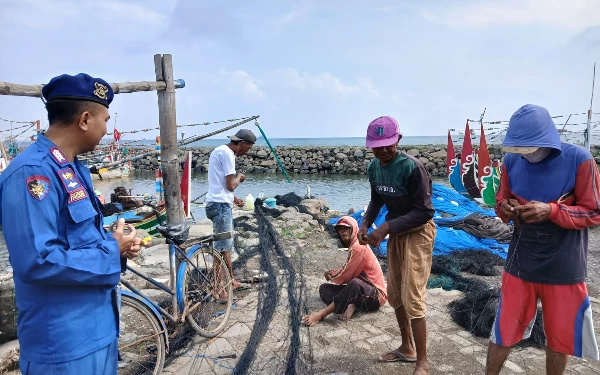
pixel 221 163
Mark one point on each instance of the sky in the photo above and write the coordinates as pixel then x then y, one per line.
pixel 311 68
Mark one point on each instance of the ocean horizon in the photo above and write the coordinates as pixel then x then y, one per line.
pixel 359 141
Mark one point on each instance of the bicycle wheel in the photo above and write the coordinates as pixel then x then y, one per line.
pixel 205 311
pixel 141 344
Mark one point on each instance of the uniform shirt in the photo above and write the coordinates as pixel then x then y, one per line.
pixel 221 163
pixel 404 186
pixel 553 251
pixel 65 265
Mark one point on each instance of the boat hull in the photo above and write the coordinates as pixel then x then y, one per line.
pixel 148 222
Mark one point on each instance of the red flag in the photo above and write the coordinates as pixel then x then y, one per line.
pixel 185 184
pixel 117 135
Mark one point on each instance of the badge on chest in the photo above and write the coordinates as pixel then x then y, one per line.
pixel 72 184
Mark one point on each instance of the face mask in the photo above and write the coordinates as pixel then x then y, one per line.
pixel 539 155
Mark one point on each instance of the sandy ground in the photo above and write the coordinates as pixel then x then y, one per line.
pixel 339 347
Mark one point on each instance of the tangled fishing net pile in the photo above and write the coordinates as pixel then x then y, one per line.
pixel 470 240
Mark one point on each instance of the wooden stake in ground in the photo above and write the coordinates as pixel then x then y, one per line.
pixel 169 158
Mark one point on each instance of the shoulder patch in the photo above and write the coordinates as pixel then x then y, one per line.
pixel 38 186
pixel 72 184
pixel 58 155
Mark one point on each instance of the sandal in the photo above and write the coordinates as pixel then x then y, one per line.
pixel 399 357
pixel 243 286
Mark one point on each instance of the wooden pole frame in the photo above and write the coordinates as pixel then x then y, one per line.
pixel 169 156
pixel 165 86
pixel 15 89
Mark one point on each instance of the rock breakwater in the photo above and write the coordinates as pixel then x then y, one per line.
pixel 315 159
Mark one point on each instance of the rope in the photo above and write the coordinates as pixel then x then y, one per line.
pixel 197 138
pixel 18 122
pixel 274 153
pixel 184 142
pixel 506 121
pixel 182 126
pixel 29 124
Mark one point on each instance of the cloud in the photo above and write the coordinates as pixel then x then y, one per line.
pixel 257 86
pixel 241 80
pixel 573 15
pixel 291 16
pixel 324 81
pixel 368 86
pixel 38 14
pixel 46 15
pixel 132 12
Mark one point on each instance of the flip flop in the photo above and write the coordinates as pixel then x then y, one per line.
pixel 224 301
pixel 243 286
pixel 399 357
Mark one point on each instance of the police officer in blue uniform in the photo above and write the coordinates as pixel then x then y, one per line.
pixel 66 267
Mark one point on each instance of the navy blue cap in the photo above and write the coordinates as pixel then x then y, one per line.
pixel 79 87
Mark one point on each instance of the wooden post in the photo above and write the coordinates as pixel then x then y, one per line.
pixel 169 158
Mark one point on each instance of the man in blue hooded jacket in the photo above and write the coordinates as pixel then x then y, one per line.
pixel 551 192
pixel 65 266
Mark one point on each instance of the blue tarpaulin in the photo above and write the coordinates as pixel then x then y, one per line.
pixel 448 239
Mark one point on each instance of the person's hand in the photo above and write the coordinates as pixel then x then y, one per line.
pixel 126 241
pixel 327 276
pixel 509 208
pixel 241 177
pixel 534 212
pixel 238 202
pixel 134 250
pixel 379 234
pixel 363 238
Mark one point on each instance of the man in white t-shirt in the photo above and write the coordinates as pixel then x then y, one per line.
pixel 222 181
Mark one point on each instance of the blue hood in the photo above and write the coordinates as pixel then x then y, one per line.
pixel 532 126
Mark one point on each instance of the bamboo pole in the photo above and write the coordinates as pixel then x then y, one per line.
pixel 15 89
pixel 588 129
pixel 163 67
pixel 181 143
pixel 199 137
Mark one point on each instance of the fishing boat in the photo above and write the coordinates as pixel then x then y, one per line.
pixel 468 167
pixel 453 168
pixel 143 217
pixel 488 173
pixel 473 173
pixel 136 209
pixel 121 171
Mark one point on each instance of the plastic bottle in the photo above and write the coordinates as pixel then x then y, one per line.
pixel 261 195
pixel 249 202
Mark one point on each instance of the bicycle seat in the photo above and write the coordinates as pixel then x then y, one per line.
pixel 176 232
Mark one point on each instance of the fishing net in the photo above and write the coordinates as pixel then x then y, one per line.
pixel 285 268
pixel 288 200
pixel 274 343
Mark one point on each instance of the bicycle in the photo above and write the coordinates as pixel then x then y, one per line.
pixel 197 286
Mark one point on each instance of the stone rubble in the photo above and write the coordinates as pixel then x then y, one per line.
pixel 350 160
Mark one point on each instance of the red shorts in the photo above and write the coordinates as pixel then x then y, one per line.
pixel 567 316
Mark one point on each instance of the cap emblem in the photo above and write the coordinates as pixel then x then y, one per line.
pixel 100 90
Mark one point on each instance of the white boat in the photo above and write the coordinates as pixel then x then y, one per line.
pixel 118 172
